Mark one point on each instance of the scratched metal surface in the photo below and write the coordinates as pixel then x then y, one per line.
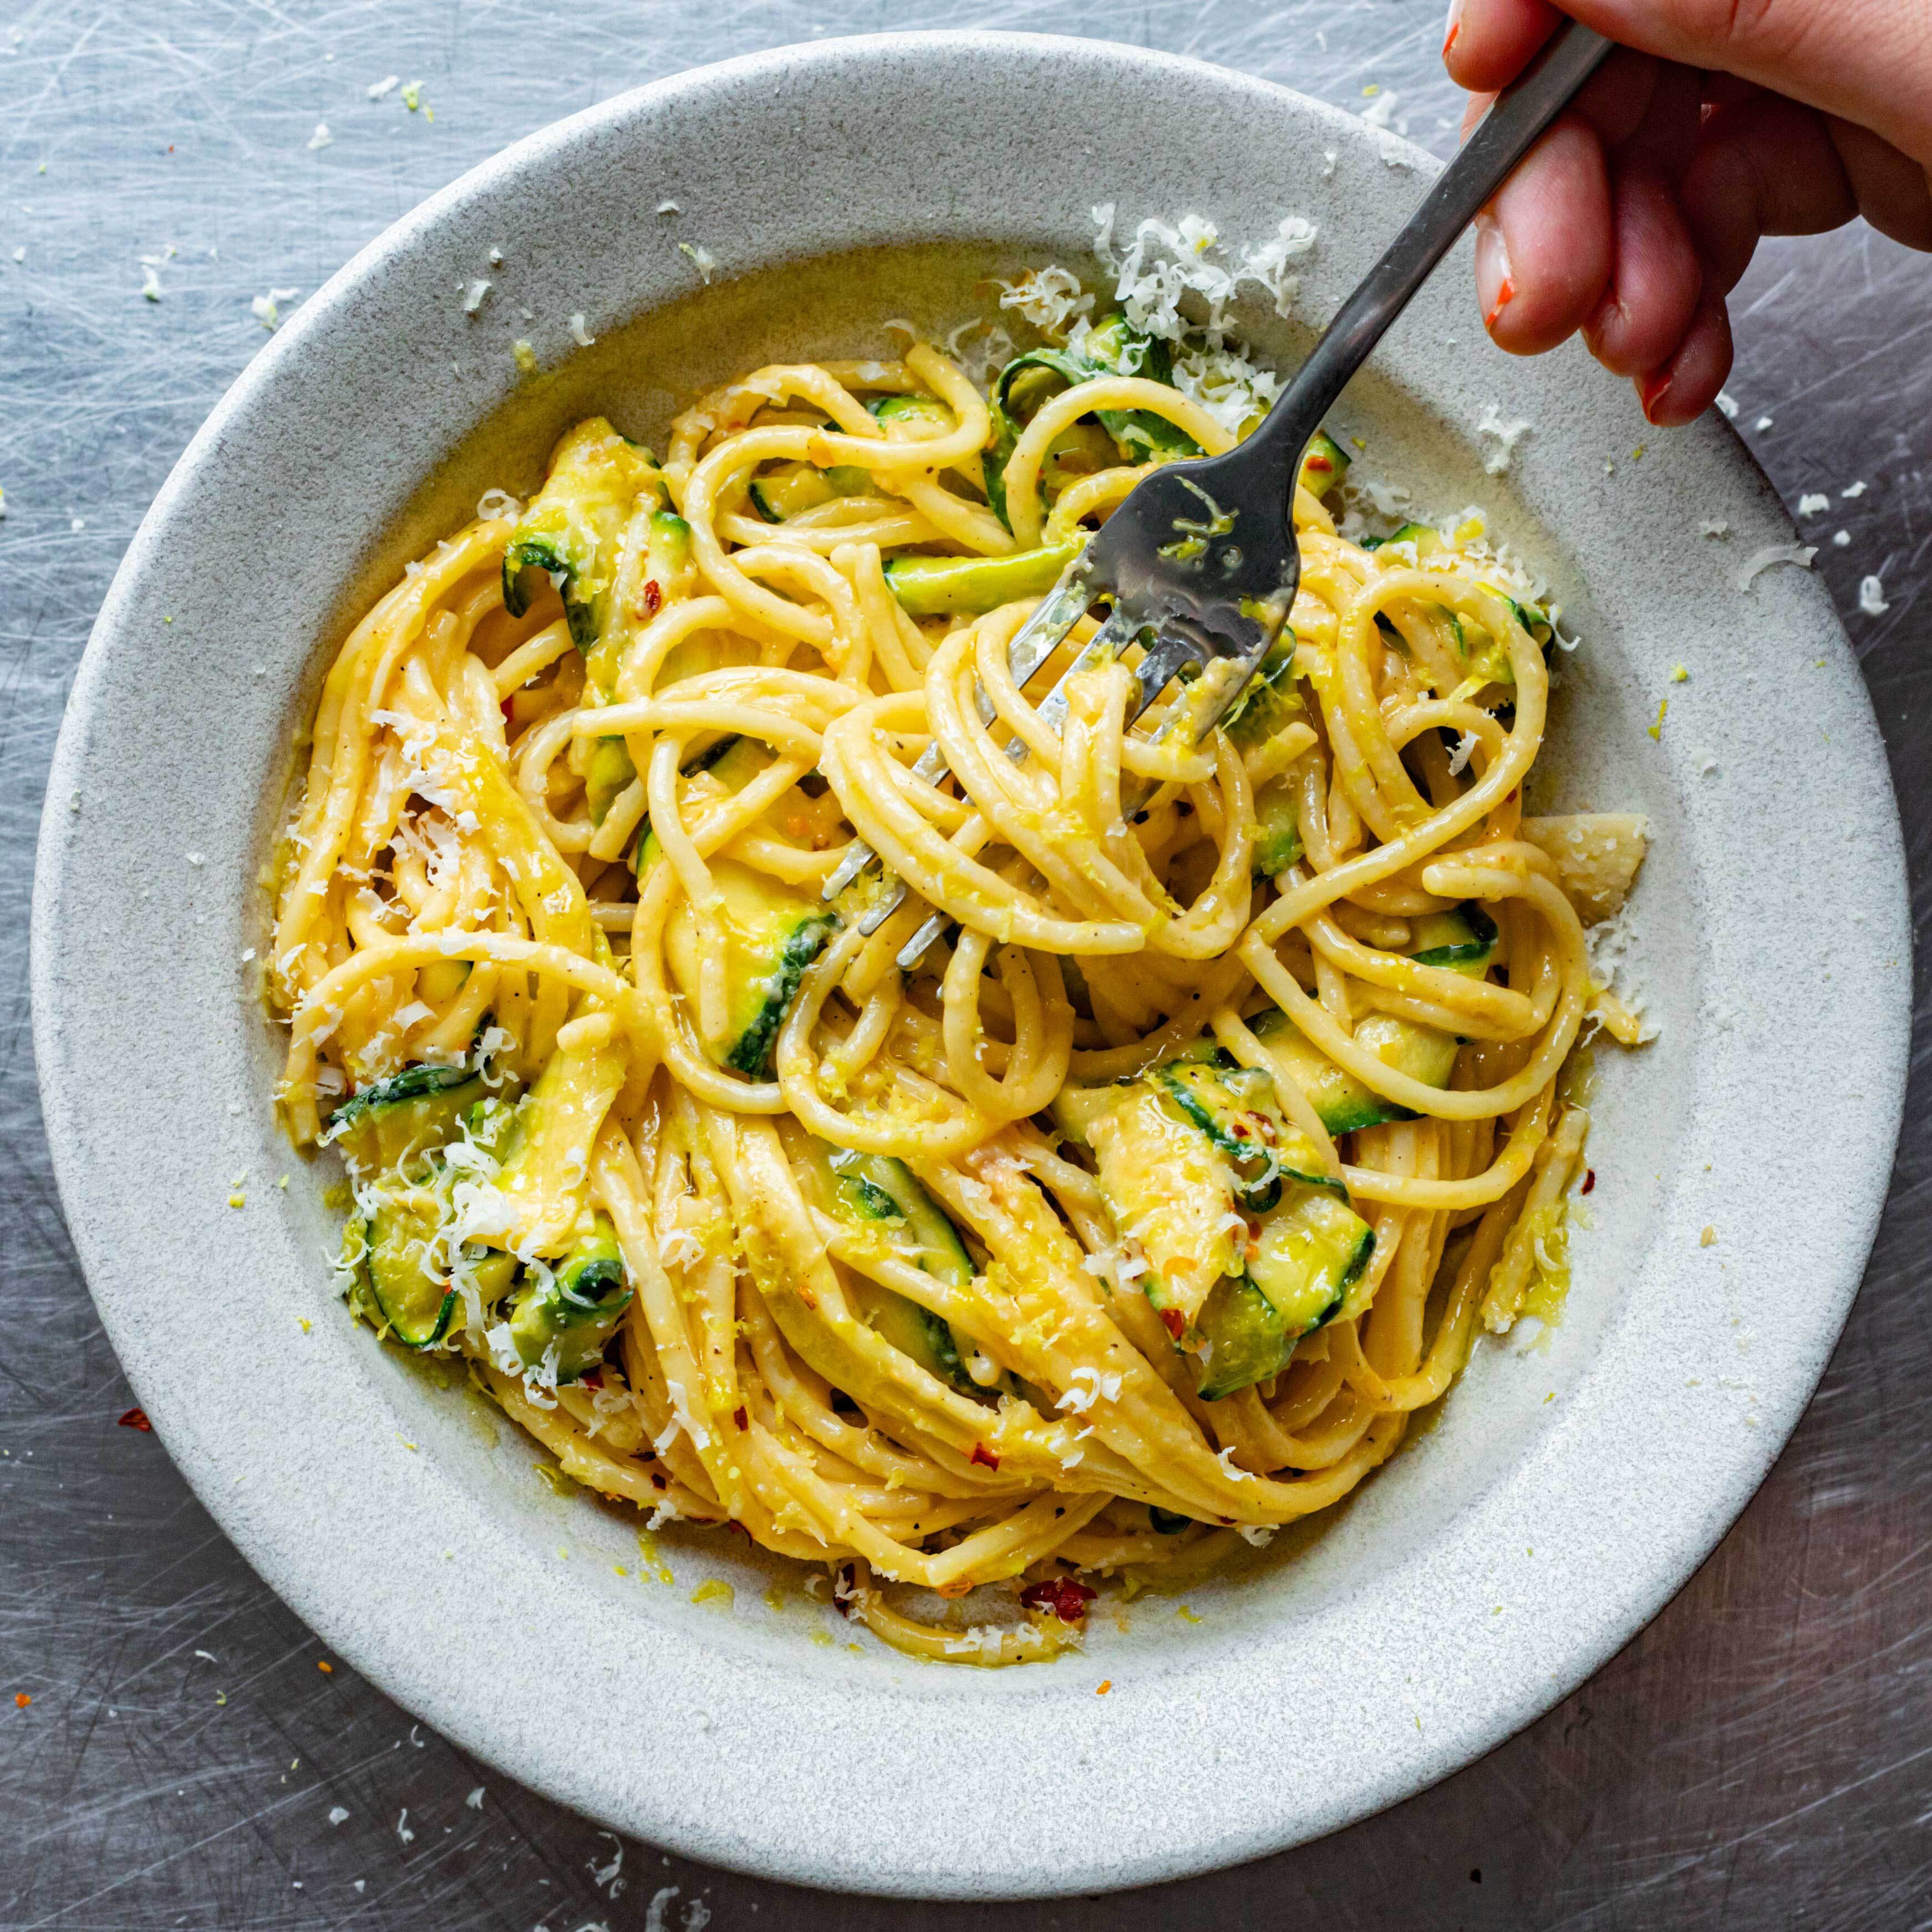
pixel 1761 1757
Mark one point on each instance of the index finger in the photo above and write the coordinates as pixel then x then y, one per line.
pixel 1490 42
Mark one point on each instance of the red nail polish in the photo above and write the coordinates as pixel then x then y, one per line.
pixel 1455 27
pixel 1505 295
pixel 1652 390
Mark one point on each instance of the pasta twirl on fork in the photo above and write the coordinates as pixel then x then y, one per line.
pixel 1138 1218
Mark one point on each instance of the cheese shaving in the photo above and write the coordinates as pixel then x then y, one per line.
pixel 1772 554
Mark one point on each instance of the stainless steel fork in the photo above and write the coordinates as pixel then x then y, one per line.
pixel 1199 562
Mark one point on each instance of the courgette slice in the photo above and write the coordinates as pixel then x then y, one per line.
pixel 1272 701
pixel 1490 664
pixel 572 528
pixel 875 1187
pixel 611 770
pixel 390 1125
pixel 1168 1186
pixel 924 415
pixel 1343 1103
pixel 402 1293
pixel 1245 1338
pixel 1081 450
pixel 1113 347
pixel 771 936
pixel 790 488
pixel 1303 1257
pixel 668 561
pixel 1235 1106
pixel 1323 463
pixel 1463 940
pixel 1427 540
pixel 946 586
pixel 1175 1150
pixel 546 1150
pixel 884 1194
pixel 733 760
pixel 576 1312
pixel 1277 829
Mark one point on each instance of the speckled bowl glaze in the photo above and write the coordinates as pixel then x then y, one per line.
pixel 1566 1491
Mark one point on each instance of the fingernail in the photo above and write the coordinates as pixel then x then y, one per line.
pixel 1455 26
pixel 1652 390
pixel 1494 287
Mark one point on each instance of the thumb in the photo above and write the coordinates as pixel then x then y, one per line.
pixel 1866 60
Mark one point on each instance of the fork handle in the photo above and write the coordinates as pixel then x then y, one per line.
pixel 1499 140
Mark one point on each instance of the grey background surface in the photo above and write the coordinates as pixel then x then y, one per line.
pixel 1761 1756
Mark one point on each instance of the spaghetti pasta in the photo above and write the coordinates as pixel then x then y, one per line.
pixel 1132 1223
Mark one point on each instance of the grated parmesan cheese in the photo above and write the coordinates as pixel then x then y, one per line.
pixel 580 333
pixel 1380 111
pixel 1164 262
pixel 1871 597
pixel 267 310
pixel 1811 504
pixel 1761 560
pixel 1613 946
pixel 1051 298
pixel 1499 435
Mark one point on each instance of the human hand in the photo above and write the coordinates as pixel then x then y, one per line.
pixel 1716 122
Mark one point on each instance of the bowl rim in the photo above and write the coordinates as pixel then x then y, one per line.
pixel 789 1852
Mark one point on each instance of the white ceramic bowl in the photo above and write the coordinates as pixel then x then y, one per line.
pixel 1567 1491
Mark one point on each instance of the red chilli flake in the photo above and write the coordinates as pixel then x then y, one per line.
pixel 981 1453
pixel 1066 1599
pixel 739 1416
pixel 1317 463
pixel 653 596
pixel 1174 1321
pixel 591 1378
pixel 1589 1179
pixel 136 1418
